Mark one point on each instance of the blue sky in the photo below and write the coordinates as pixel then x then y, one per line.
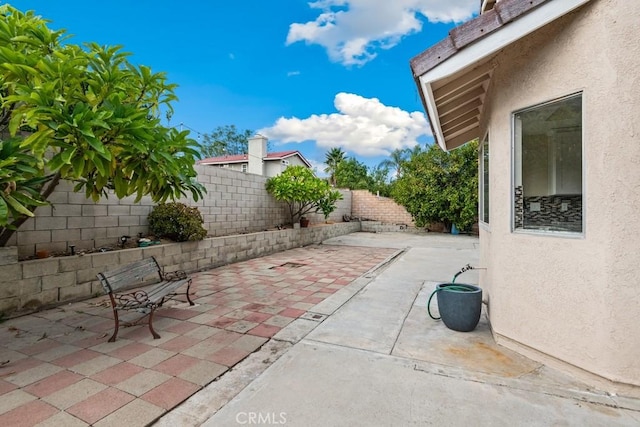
pixel 308 75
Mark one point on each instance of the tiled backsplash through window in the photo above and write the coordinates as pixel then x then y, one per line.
pixel 562 211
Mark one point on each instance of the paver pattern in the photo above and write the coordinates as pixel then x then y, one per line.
pixel 60 369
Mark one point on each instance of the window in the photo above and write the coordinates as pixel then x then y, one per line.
pixel 484 180
pixel 244 167
pixel 548 167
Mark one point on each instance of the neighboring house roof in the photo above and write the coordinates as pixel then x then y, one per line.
pixel 238 158
pixel 281 155
pixel 243 158
pixel 453 75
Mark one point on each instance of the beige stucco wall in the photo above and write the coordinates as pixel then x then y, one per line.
pixel 576 300
pixel 275 167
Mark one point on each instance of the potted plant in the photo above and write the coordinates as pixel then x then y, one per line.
pixel 304 222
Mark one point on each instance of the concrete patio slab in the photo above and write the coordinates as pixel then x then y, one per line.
pixel 332 334
pixel 317 384
pixel 365 365
pixel 424 339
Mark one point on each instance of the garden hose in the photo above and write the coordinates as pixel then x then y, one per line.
pixel 462 270
pixel 452 287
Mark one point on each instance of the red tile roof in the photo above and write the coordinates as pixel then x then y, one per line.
pixel 242 158
pixel 236 158
pixel 471 31
pixel 280 154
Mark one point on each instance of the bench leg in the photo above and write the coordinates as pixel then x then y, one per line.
pixel 153 332
pixel 116 319
pixel 187 293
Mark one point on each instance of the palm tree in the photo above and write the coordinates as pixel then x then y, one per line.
pixel 332 159
pixel 396 160
pixel 417 149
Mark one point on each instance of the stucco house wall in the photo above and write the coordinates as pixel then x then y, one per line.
pixel 276 167
pixel 234 166
pixel 257 161
pixel 575 299
pixel 271 167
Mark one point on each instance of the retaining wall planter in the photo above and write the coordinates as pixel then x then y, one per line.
pixel 8 255
pixel 32 285
pixel 380 227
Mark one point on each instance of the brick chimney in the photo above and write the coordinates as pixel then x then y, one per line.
pixel 257 152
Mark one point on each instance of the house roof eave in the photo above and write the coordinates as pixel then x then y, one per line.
pixel 220 162
pixel 453 75
pixel 289 154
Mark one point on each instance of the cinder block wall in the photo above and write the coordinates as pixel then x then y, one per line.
pixel 72 219
pixel 30 285
pixel 369 206
pixel 343 207
pixel 235 203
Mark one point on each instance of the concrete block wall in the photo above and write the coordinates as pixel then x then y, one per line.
pixel 235 202
pixel 8 255
pixel 367 205
pixel 72 219
pixel 380 227
pixel 30 285
pixel 343 207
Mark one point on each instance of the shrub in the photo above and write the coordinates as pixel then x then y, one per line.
pixel 302 191
pixel 177 222
pixel 327 204
pixel 440 186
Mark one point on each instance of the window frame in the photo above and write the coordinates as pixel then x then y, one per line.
pixel 485 222
pixel 515 162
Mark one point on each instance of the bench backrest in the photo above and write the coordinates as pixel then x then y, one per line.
pixel 130 274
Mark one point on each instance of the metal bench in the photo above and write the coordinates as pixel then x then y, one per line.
pixel 144 301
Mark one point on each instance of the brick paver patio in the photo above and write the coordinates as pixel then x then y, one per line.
pixel 58 368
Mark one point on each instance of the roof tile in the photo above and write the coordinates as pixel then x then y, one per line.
pixel 463 35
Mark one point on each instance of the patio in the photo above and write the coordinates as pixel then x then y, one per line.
pixel 58 368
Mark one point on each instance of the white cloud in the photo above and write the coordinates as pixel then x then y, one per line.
pixel 362 126
pixel 352 30
pixel 293 73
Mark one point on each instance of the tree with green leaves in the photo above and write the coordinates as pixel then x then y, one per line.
pixel 380 184
pixel 225 141
pixel 439 186
pixel 352 174
pixel 83 114
pixel 328 204
pixel 302 191
pixel 333 158
pixel 395 161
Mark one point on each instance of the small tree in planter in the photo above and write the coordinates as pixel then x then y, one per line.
pixel 327 204
pixel 302 191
